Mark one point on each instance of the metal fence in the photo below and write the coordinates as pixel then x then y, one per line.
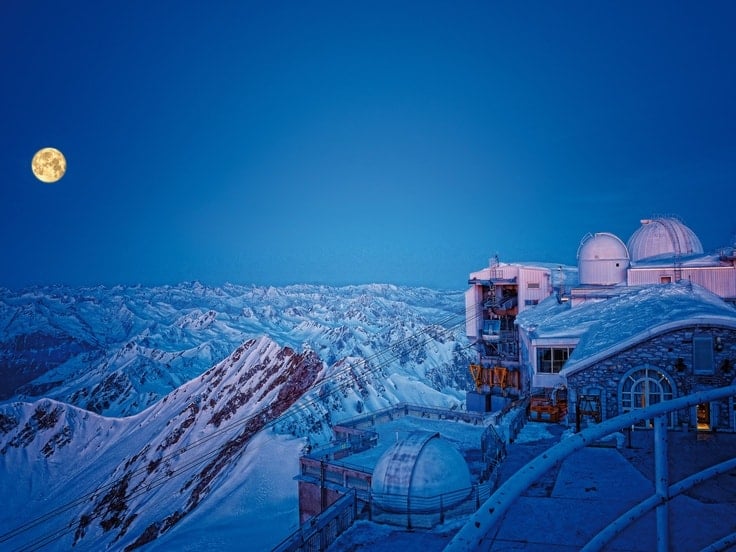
pixel 425 512
pixel 405 409
pixel 513 417
pixel 320 532
pixel 325 466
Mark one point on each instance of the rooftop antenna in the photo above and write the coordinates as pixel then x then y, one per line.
pixel 561 291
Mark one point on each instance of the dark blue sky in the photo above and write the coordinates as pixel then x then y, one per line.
pixel 355 142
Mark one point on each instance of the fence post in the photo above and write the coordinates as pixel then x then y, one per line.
pixel 408 510
pixel 661 482
pixel 355 506
pixel 322 489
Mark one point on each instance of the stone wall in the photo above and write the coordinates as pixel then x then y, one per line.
pixel 662 353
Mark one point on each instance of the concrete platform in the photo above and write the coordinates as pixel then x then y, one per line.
pixel 595 485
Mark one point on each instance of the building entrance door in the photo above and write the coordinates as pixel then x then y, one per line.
pixel 644 387
pixel 703 417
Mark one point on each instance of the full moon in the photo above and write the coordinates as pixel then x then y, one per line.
pixel 48 165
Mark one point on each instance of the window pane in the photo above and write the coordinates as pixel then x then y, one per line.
pixel 703 354
pixel 644 388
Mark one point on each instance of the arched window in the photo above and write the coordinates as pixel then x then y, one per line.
pixel 645 386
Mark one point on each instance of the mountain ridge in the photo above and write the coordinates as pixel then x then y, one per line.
pixel 205 425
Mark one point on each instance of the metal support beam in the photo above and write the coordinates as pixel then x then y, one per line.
pixel 722 545
pixel 662 482
pixel 617 527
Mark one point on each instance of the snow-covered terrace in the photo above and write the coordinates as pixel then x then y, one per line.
pixel 465 437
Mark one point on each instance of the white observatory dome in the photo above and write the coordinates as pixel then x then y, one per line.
pixel 416 471
pixel 602 259
pixel 663 237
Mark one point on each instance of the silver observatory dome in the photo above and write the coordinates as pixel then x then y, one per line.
pixel 663 237
pixel 416 471
pixel 602 259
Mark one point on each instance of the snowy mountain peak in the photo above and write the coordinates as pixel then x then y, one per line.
pixel 163 462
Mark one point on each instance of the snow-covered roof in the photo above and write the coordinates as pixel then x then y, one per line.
pixel 560 274
pixel 631 315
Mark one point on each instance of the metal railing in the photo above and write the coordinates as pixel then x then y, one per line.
pixel 320 532
pixel 406 409
pixel 425 512
pixel 513 417
pixel 492 511
pixel 492 445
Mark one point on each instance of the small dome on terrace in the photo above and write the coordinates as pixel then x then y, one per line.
pixel 418 470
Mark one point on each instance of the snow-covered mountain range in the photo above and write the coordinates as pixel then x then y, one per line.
pixel 162 405
pixel 116 351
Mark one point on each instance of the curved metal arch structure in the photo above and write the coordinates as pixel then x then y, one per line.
pixel 492 511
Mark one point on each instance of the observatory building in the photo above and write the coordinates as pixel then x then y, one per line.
pixel 647 320
pixel 661 251
pixel 419 468
pixel 664 251
pixel 496 296
pixel 409 465
pixel 602 260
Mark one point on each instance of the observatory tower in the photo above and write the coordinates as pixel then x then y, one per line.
pixel 497 294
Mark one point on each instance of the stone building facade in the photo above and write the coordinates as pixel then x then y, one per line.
pixel 676 363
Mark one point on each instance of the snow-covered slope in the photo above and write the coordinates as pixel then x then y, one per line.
pixel 116 351
pixel 125 481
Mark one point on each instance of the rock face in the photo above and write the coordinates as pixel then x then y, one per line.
pixel 27 356
pixel 137 477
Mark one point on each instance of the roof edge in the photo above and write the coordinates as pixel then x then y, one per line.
pixel 723 321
